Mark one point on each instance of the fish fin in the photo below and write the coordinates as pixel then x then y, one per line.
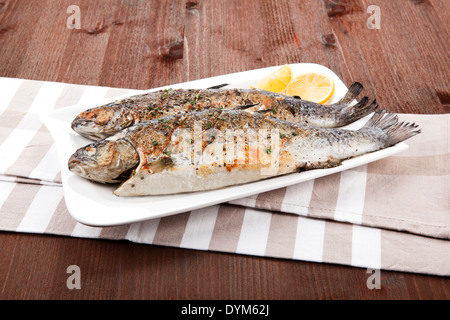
pixel 354 90
pixel 246 106
pixel 218 86
pixel 351 113
pixel 389 123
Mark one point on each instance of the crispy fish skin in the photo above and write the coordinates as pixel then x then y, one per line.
pixel 162 156
pixel 101 122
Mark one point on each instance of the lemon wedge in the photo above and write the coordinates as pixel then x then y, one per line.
pixel 276 81
pixel 311 86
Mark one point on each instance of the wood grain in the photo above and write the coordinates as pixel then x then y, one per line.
pixel 144 44
pixel 122 270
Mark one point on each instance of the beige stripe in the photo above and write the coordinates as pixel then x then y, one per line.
pixel 38 147
pixel 281 240
pixel 115 92
pixel 24 96
pixel 57 177
pixel 61 222
pixel 227 229
pixel 434 138
pixel 16 205
pixel 171 229
pixel 436 165
pixel 422 207
pixel 324 197
pixel 271 200
pixel 9 120
pixel 114 233
pixel 407 252
pixel 27 180
pixel 32 154
pixel 70 95
pixel 337 247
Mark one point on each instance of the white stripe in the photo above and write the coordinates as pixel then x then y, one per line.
pixel 254 232
pixel 46 98
pixel 199 228
pixel 92 95
pixel 366 247
pixel 5 189
pixel 246 202
pixel 19 138
pixel 83 231
pixel 7 178
pixel 8 88
pixel 41 210
pixel 48 167
pixel 309 239
pixel 13 146
pixel 298 198
pixel 143 232
pixel 352 193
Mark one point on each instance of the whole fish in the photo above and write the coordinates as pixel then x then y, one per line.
pixel 100 122
pixel 216 148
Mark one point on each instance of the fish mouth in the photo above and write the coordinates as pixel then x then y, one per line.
pixel 104 161
pixel 87 169
pixel 99 123
pixel 91 129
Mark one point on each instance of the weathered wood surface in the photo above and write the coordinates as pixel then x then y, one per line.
pixel 144 44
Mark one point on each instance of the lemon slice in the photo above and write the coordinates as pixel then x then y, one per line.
pixel 311 86
pixel 276 81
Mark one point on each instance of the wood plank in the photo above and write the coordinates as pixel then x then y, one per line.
pixel 393 61
pixel 123 270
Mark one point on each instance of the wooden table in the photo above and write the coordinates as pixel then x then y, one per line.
pixel 144 44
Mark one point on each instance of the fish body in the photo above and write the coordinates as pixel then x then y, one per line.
pixel 216 148
pixel 100 122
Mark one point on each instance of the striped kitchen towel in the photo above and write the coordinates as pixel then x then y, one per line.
pixel 392 214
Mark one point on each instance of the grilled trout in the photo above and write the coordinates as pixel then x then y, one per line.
pixel 101 122
pixel 216 148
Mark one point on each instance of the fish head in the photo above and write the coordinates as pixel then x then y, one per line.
pixel 106 161
pixel 101 122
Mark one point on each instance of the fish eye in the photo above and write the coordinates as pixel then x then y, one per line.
pixel 90 151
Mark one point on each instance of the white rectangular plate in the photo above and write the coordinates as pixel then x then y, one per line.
pixel 95 204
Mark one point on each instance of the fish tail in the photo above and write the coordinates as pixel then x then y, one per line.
pixel 390 125
pixel 354 90
pixel 351 113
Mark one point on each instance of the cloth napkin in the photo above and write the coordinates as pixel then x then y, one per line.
pixel 392 214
